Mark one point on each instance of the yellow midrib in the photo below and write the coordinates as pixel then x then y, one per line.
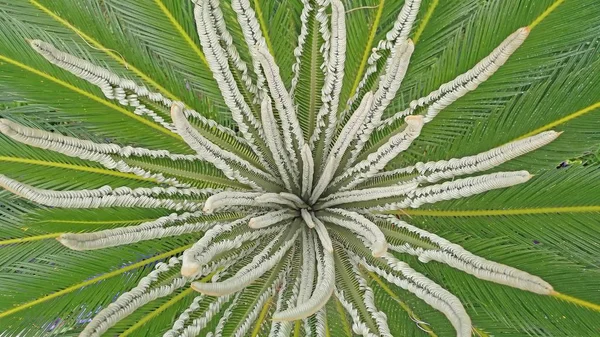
pixel 262 316
pixel 326 323
pixel 181 31
pixel 569 117
pixel 562 120
pixel 163 307
pixel 536 22
pixel 92 281
pixel 30 239
pixel 90 96
pixel 103 222
pixel 400 302
pixel 577 301
pixel 498 212
pixel 263 25
pixel 435 3
pixel 367 51
pixel 109 52
pixel 74 167
pixel 567 298
pixel 342 312
pixel 55 235
pixel 545 13
pixel 480 333
pixel 157 311
pixel 426 19
pixel 297 327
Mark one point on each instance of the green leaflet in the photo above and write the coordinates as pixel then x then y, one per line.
pixel 547 226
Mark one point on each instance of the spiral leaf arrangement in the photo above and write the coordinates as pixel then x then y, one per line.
pixel 304 197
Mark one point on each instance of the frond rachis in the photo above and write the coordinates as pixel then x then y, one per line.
pixel 301 200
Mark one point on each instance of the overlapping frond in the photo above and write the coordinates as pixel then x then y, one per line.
pixel 284 204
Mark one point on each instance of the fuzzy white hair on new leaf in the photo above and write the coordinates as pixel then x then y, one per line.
pixel 299 198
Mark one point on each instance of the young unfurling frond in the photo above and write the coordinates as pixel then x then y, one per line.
pixel 361 226
pixel 389 84
pixel 459 258
pixel 298 219
pixel 111 156
pixel 459 188
pixel 400 274
pixel 248 274
pixel 330 95
pixel 449 92
pixel 170 225
pixel 435 171
pixel 399 32
pixel 321 294
pixel 157 197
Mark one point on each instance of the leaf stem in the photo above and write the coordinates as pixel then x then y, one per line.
pixel 342 313
pixel 425 21
pixel 163 307
pixel 498 212
pixel 30 238
pixel 263 25
pixel 366 53
pixel 92 281
pixel 181 31
pixel 105 222
pixel 90 96
pixel 563 120
pixel 74 167
pixel 577 301
pixel 262 316
pixel 94 43
pixel 545 13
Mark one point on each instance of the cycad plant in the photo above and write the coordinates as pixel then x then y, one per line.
pixel 299 168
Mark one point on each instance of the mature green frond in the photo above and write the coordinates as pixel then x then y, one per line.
pixel 299 168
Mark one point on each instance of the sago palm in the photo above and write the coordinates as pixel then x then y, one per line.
pixel 299 168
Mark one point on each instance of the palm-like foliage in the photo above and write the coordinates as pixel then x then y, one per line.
pixel 304 167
